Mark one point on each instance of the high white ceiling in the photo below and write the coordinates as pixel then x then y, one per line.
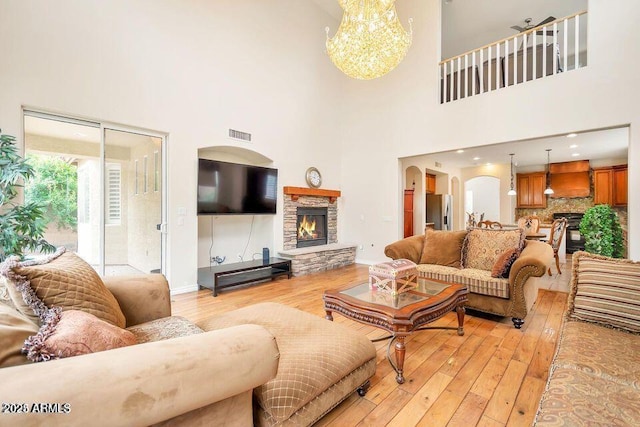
pixel 595 145
pixel 469 24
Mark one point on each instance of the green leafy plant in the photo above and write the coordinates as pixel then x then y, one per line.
pixel 21 225
pixel 54 184
pixel 602 232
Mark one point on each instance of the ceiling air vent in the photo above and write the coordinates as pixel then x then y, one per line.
pixel 236 134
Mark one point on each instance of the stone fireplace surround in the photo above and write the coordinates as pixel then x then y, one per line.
pixel 313 259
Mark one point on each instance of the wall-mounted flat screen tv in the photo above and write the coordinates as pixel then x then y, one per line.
pixel 235 189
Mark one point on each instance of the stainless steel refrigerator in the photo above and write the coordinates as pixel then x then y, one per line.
pixel 440 211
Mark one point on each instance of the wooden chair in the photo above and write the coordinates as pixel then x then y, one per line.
pixel 490 224
pixel 530 223
pixel 558 229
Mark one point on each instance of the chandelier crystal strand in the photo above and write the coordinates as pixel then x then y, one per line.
pixel 370 41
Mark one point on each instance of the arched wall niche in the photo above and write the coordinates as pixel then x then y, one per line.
pixel 236 237
pixel 229 153
pixel 482 196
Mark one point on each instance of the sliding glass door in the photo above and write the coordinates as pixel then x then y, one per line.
pixel 102 186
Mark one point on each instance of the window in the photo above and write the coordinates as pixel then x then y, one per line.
pixel 84 198
pixel 135 178
pixel 156 171
pixel 145 169
pixel 113 194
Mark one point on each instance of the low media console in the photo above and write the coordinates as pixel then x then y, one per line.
pixel 227 275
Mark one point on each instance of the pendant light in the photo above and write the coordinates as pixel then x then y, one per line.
pixel 512 191
pixel 549 190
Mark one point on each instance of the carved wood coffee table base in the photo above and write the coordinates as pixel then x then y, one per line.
pixel 400 315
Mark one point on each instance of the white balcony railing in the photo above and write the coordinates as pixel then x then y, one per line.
pixel 556 47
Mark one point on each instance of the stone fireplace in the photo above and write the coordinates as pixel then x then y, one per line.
pixel 310 231
pixel 311 226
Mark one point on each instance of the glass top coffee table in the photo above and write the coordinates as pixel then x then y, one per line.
pixel 401 314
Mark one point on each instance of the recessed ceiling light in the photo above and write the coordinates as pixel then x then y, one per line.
pixel 573 146
pixel 81 134
pixel 572 135
pixel 476 158
pixel 575 154
pixel 460 151
pixel 487 164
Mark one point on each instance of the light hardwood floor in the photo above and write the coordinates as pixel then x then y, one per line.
pixel 492 376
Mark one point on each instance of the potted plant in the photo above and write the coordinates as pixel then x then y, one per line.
pixel 21 225
pixel 602 232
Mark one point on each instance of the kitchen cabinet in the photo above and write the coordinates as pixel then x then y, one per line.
pixel 408 213
pixel 530 188
pixel 610 185
pixel 431 184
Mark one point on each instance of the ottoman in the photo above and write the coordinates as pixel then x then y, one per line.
pixel 321 363
pixel 393 277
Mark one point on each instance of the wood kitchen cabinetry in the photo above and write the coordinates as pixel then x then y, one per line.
pixel 430 184
pixel 408 213
pixel 530 188
pixel 610 185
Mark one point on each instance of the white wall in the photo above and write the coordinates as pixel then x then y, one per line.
pixel 400 114
pixel 195 68
pixel 192 69
pixel 485 197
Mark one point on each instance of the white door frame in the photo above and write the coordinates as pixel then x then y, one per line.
pixel 106 125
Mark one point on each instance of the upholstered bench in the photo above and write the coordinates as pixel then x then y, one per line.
pixel 321 363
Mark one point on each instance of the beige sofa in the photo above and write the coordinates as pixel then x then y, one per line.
pixel 594 377
pixel 472 257
pixel 265 364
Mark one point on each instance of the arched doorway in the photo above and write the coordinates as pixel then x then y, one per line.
pixel 482 197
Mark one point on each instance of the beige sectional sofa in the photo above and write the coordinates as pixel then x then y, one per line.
pixel 594 377
pixel 265 364
pixel 497 266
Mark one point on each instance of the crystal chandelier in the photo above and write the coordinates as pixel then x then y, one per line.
pixel 370 41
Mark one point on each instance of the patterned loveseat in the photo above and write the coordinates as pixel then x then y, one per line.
pixel 497 266
pixel 594 377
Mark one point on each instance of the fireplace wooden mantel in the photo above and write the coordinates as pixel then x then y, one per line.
pixel 296 192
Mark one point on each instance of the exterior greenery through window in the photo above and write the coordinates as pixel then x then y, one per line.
pixel 54 184
pixel 21 224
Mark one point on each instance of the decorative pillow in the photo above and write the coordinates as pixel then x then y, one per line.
pixel 482 247
pixel 14 329
pixel 72 333
pixel 63 280
pixel 5 298
pixel 605 291
pixel 502 267
pixel 442 247
pixel 164 329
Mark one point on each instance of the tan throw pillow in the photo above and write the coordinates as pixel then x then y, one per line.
pixel 62 280
pixel 502 267
pixel 72 333
pixel 442 247
pixel 482 247
pixel 14 329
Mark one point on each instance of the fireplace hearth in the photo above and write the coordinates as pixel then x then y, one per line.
pixel 311 226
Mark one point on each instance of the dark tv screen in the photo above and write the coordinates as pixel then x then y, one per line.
pixel 232 188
